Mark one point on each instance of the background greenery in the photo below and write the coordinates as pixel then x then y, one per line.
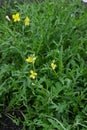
pixel 56 99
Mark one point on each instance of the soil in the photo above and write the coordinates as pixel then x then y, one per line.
pixel 7 124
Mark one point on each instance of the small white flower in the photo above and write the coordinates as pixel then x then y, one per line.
pixel 7 17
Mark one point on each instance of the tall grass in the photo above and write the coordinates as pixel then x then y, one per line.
pixel 57 98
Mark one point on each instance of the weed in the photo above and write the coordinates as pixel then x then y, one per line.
pixel 43 64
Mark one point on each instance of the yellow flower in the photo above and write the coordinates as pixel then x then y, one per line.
pixel 16 17
pixel 53 65
pixel 27 21
pixel 33 74
pixel 31 59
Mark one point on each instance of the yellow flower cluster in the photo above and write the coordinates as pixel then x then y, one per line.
pixel 31 59
pixel 16 18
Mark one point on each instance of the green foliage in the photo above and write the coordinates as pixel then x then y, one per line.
pixel 56 98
